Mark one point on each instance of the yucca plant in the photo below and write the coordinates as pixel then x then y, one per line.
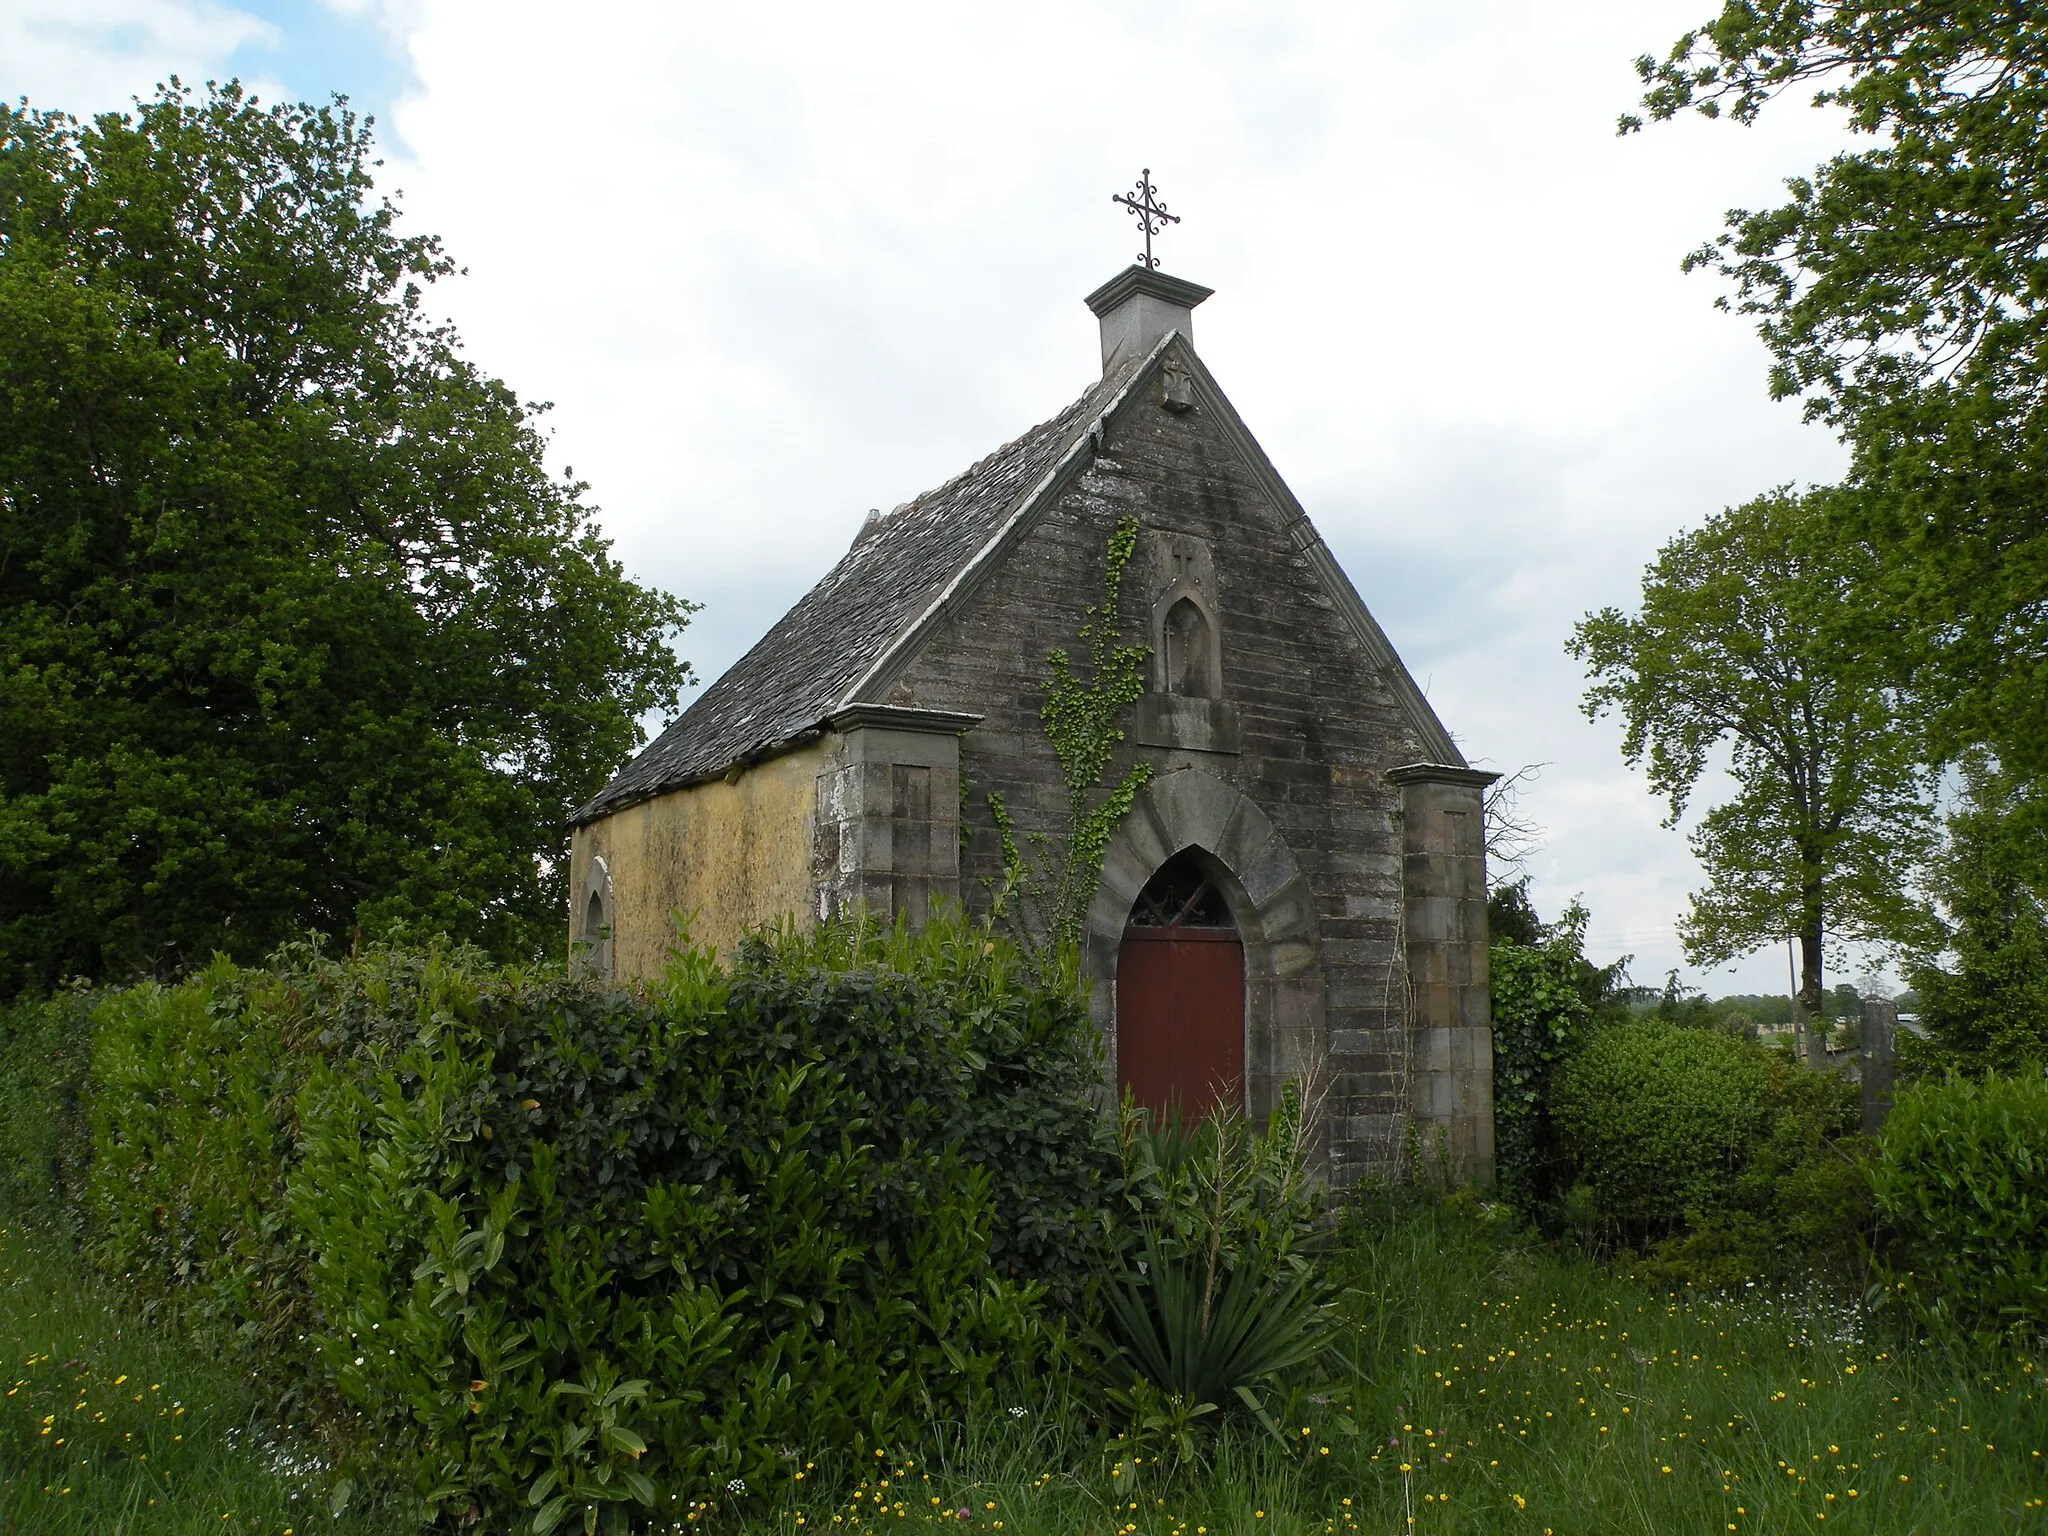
pixel 1221 1299
pixel 1196 1336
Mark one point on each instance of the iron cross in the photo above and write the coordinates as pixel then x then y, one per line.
pixel 1152 216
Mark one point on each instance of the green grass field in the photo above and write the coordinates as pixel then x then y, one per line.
pixel 1507 1389
pixel 1513 1390
pixel 110 1427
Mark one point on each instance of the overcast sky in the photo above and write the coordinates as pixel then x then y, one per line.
pixel 778 264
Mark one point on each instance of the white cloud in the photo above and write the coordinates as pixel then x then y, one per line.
pixel 777 265
pixel 95 55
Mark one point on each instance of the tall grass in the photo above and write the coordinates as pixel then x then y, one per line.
pixel 1495 1385
pixel 107 1426
pixel 1503 1387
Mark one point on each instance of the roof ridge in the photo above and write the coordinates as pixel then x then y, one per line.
pixel 1111 399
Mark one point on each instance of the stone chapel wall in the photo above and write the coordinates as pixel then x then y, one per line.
pixel 1308 737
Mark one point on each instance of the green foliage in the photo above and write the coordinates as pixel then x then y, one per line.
pixel 1192 1337
pixel 1916 1058
pixel 1797 1210
pixel 1658 1119
pixel 1218 1300
pixel 46 1131
pixel 1962 1185
pixel 1463 1349
pixel 1540 1015
pixel 1738 644
pixel 1221 1187
pixel 192 1094
pixel 1511 918
pixel 1032 1117
pixel 296 630
pixel 1988 1008
pixel 576 1253
pixel 1755 1007
pixel 1726 1161
pixel 1051 891
pixel 1900 289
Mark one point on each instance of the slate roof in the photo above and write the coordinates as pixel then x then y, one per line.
pixel 809 664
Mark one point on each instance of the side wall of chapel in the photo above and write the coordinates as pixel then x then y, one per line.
pixel 725 856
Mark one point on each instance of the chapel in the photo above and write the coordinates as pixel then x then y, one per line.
pixel 1299 891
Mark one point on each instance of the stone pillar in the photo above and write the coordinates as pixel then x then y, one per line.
pixel 1450 1013
pixel 887 835
pixel 1880 1032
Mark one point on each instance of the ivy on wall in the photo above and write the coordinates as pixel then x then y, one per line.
pixel 1048 883
pixel 1540 1013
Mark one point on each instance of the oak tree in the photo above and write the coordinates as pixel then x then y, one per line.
pixel 1740 645
pixel 1902 287
pixel 297 631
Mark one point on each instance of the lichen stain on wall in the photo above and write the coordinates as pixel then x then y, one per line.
pixel 728 857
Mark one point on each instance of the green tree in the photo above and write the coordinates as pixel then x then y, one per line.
pixel 1739 644
pixel 1903 291
pixel 1989 1004
pixel 296 631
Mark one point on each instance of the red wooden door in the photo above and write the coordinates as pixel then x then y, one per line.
pixel 1180 1017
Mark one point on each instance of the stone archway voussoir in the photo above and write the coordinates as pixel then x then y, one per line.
pixel 1194 808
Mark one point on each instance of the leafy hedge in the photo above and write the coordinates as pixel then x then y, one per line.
pixel 578 1251
pixel 1540 1014
pixel 45 1132
pixel 1962 1184
pixel 1658 1119
pixel 1725 1159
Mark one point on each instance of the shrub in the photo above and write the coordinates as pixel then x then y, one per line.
pixel 570 1249
pixel 1034 1115
pixel 1799 1204
pixel 1918 1058
pixel 1540 1013
pixel 45 1134
pixel 1961 1183
pixel 580 1249
pixel 192 1113
pixel 1659 1119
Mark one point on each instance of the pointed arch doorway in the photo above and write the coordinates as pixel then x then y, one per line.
pixel 1180 994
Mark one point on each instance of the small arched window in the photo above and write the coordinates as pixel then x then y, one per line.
pixel 594 933
pixel 1190 651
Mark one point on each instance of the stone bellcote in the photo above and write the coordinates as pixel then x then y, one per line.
pixel 1137 307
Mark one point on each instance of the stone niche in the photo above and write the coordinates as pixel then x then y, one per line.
pixel 1184 708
